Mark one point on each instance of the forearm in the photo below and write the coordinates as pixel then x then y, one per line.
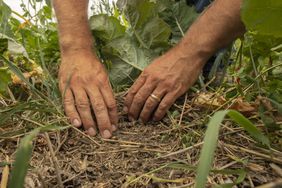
pixel 74 32
pixel 217 27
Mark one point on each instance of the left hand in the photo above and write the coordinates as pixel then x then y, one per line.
pixel 160 84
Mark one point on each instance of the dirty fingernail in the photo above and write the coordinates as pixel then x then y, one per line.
pixel 130 118
pixel 76 123
pixel 107 134
pixel 125 109
pixel 114 128
pixel 91 131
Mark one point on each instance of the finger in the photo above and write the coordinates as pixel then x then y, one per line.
pixel 70 110
pixel 151 104
pixel 140 99
pixel 164 106
pixel 84 110
pixel 101 111
pixel 110 101
pixel 132 91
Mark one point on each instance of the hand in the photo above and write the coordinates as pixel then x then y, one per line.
pixel 84 85
pixel 160 84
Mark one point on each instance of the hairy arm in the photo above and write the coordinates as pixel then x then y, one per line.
pixel 216 27
pixel 170 75
pixel 83 80
pixel 74 32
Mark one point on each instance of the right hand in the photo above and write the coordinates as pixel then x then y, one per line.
pixel 84 85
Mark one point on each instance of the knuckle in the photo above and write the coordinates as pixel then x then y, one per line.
pixel 168 84
pixel 138 98
pixel 99 108
pixel 150 103
pixel 112 106
pixel 83 80
pixel 71 114
pixel 163 106
pixel 157 116
pixel 68 101
pixel 82 104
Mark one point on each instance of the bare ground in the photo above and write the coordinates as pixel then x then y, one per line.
pixel 158 154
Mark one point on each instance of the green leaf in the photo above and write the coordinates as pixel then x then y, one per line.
pixel 249 127
pixel 23 155
pixel 180 17
pixel 106 27
pixel 128 51
pixel 276 104
pixel 211 137
pixel 207 152
pixel 149 30
pixel 3 45
pixel 128 60
pixel 262 16
pixel 9 44
pixel 5 14
pixel 5 79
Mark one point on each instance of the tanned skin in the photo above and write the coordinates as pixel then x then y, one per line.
pixel 84 82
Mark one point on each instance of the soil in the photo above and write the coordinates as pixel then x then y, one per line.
pixel 151 155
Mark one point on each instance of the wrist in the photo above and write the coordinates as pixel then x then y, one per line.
pixel 73 43
pixel 192 54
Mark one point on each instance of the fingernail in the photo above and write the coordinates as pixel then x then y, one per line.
pixel 125 109
pixel 91 131
pixel 107 134
pixel 130 118
pixel 76 123
pixel 114 128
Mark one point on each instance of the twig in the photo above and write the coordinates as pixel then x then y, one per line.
pixel 182 150
pixel 277 169
pixel 5 175
pixel 277 183
pixel 267 157
pixel 53 157
pixel 183 109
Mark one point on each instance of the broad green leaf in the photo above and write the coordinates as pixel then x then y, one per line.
pixel 180 19
pixel 9 44
pixel 121 73
pixel 5 79
pixel 128 60
pixel 211 137
pixel 106 27
pixel 128 51
pixel 263 16
pixel 149 30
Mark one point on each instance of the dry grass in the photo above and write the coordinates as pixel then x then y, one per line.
pixel 138 155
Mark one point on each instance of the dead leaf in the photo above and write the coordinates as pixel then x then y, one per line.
pixel 209 100
pixel 243 106
pixel 5 175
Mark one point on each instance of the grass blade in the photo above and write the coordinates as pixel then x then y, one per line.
pixel 207 152
pixel 23 156
pixel 211 137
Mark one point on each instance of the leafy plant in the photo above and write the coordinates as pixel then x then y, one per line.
pixel 151 28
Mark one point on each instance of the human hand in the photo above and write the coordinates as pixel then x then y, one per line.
pixel 160 84
pixel 85 86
